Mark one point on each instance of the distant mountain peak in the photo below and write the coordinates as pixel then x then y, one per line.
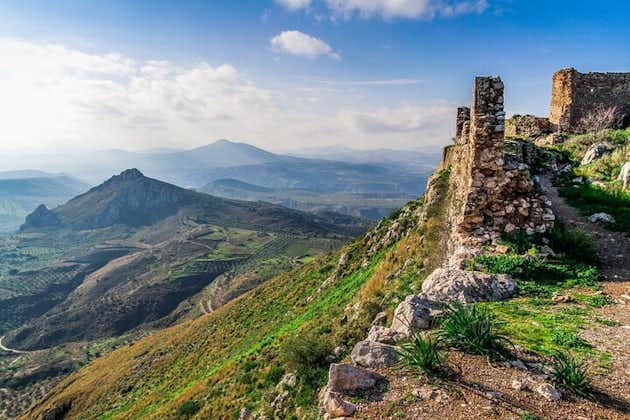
pixel 130 174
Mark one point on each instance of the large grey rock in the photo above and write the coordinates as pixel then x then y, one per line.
pixel 411 315
pixel 624 175
pixel 371 354
pixel 335 406
pixel 348 378
pixel 384 335
pixel 594 152
pixel 455 285
pixel 601 218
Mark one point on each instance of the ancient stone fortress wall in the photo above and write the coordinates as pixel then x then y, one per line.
pixel 527 126
pixel 487 195
pixel 575 95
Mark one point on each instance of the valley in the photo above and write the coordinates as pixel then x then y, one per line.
pixel 133 255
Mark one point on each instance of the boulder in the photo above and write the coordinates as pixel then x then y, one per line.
pixel 624 175
pixel 601 218
pixel 548 392
pixel 335 406
pixel 447 285
pixel 371 354
pixel 349 379
pixel 411 315
pixel 594 152
pixel 384 335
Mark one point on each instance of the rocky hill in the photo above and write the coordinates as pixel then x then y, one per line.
pixel 480 299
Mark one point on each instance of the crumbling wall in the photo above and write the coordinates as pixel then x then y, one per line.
pixel 487 195
pixel 574 95
pixel 527 126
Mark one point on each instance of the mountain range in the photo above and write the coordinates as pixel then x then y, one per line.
pixel 23 191
pixel 368 184
pixel 135 252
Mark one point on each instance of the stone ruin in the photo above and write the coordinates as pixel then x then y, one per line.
pixel 482 197
pixel 488 195
pixel 527 127
pixel 575 95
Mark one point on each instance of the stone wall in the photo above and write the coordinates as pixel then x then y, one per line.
pixel 527 126
pixel 574 95
pixel 487 195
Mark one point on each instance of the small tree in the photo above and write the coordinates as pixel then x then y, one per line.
pixel 600 118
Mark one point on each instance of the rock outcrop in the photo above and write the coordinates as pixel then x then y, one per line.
pixel 349 379
pixel 41 218
pixel 594 153
pixel 447 285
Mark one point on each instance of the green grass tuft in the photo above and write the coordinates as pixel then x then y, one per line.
pixel 570 374
pixel 423 353
pixel 474 329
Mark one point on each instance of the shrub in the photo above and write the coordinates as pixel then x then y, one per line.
pixel 188 409
pixel 571 375
pixel 573 243
pixel 473 329
pixel 422 353
pixel 307 354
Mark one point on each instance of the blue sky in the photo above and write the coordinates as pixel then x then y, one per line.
pixel 284 74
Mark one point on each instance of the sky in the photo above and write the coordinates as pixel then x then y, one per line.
pixel 282 74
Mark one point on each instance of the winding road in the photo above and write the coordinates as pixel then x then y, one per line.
pixel 3 347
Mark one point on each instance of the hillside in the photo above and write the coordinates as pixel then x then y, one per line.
pixel 136 254
pixel 22 191
pixel 368 205
pixel 322 338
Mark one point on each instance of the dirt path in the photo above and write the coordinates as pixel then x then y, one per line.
pixel 613 334
pixel 2 347
pixel 613 248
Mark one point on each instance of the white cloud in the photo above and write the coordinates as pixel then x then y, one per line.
pixel 301 44
pixel 58 98
pixel 294 4
pixel 406 118
pixel 406 9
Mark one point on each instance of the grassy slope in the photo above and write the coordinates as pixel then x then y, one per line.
pixel 232 358
pixel 589 198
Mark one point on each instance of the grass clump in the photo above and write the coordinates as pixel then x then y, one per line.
pixel 423 353
pixel 570 374
pixel 573 244
pixel 568 338
pixel 474 329
pixel 307 354
pixel 188 409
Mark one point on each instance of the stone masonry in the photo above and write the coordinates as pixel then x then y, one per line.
pixel 527 126
pixel 575 95
pixel 487 195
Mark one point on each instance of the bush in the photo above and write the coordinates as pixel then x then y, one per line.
pixel 473 329
pixel 571 375
pixel 574 244
pixel 188 409
pixel 422 353
pixel 307 354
